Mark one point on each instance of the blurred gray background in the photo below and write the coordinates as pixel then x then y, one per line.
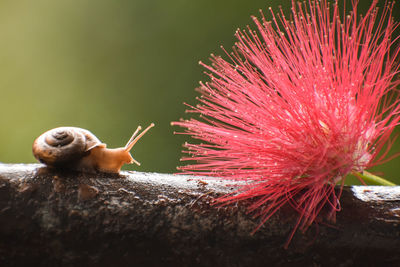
pixel 108 66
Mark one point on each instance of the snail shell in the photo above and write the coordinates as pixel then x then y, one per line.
pixel 64 145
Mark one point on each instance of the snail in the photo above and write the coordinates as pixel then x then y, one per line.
pixel 78 149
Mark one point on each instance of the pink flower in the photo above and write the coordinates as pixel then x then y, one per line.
pixel 298 105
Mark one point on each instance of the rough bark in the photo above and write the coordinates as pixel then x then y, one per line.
pixel 54 218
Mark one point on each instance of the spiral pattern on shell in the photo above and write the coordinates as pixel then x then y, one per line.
pixel 63 145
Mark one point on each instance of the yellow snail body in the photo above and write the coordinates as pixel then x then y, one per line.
pixel 78 149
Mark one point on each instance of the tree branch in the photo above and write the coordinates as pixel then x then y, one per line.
pixel 53 218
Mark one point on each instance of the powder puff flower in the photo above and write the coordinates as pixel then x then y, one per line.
pixel 298 105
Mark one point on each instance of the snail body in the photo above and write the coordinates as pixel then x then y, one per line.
pixel 78 149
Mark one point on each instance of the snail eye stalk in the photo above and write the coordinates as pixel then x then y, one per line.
pixel 132 141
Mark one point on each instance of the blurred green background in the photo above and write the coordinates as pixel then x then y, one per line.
pixel 108 66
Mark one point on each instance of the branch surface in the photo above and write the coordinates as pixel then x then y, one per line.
pixel 59 218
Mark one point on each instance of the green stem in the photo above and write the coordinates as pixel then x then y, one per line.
pixel 369 177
